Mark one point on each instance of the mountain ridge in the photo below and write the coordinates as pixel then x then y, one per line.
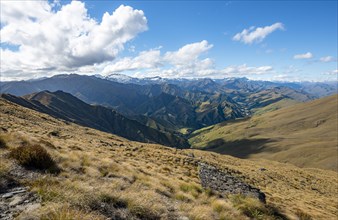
pixel 67 107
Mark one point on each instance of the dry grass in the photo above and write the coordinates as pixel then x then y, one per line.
pixel 105 175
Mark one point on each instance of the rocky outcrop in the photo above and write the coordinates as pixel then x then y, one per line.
pixel 225 183
pixel 17 200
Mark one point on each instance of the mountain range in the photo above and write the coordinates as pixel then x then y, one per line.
pixel 168 111
pixel 174 104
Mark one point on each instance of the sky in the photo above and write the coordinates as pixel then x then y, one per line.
pixel 261 40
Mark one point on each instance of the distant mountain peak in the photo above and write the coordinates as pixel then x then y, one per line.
pixel 117 77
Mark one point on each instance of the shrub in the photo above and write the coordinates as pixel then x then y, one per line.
pixel 34 157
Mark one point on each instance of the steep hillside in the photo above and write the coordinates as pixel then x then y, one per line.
pixel 89 89
pixel 171 111
pixel 304 134
pixel 105 176
pixel 65 106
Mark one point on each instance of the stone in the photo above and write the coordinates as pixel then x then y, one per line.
pixel 32 207
pixel 191 155
pixel 19 191
pixel 183 218
pixel 16 201
pixel 224 182
pixel 7 195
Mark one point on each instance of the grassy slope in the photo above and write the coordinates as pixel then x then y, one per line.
pixel 149 180
pixel 275 106
pixel 304 134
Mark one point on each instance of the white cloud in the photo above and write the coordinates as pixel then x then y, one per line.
pixel 333 72
pixel 188 53
pixel 245 70
pixel 326 59
pixel 307 55
pixel 207 71
pixel 145 59
pixel 251 35
pixel 63 40
pixel 183 62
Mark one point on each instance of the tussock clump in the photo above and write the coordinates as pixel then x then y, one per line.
pixel 107 205
pixel 54 133
pixel 68 212
pixel 182 197
pixel 253 208
pixel 302 215
pixel 144 212
pixel 98 201
pixel 194 189
pixel 3 143
pixel 34 157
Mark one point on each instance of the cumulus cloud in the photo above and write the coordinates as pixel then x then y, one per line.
pixel 39 39
pixel 145 59
pixel 188 53
pixel 251 35
pixel 63 40
pixel 307 55
pixel 326 59
pixel 182 62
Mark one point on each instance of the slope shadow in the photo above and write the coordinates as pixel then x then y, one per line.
pixel 239 148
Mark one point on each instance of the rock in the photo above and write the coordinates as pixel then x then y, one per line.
pixel 16 201
pixel 32 207
pixel 183 218
pixel 19 191
pixel 191 155
pixel 7 195
pixel 262 169
pixel 225 182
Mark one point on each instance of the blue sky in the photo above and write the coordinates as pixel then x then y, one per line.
pixel 301 43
